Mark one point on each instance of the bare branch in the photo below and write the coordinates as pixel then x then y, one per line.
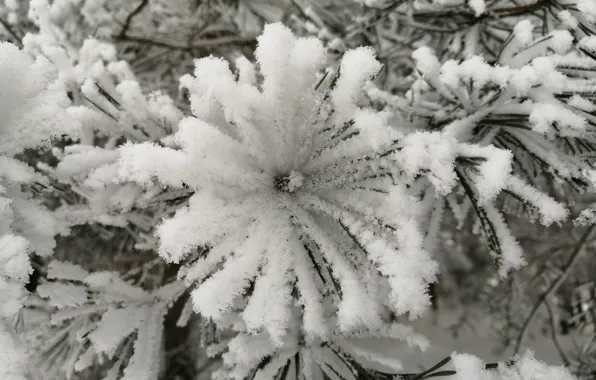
pixel 575 255
pixel 132 14
pixel 554 335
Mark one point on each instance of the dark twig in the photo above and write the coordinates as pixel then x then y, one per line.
pixel 553 333
pixel 11 32
pixel 575 255
pixel 132 14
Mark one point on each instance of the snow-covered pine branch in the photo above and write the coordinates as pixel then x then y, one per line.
pixel 300 216
pixel 95 317
pixel 301 190
pixel 111 107
pixel 32 111
pixel 289 159
pixel 532 108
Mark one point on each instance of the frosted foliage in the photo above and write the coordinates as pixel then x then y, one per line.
pixel 145 361
pixel 526 367
pixel 13 358
pixel 478 6
pixel 587 6
pixel 66 271
pixel 31 110
pixel 435 152
pixel 21 214
pixel 13 258
pixel 523 32
pixel 533 80
pixel 290 159
pixel 310 360
pixel 121 322
pixel 14 273
pixel 115 325
pixel 291 200
pixel 115 107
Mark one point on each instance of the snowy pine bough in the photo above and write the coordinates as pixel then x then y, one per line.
pixel 288 206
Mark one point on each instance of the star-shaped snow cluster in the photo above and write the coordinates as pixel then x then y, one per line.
pixel 301 193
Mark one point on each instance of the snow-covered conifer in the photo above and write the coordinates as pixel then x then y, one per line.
pixel 282 211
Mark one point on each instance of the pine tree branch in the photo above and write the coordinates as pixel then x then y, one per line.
pixel 575 256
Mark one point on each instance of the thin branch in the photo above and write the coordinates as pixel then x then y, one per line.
pixel 197 45
pixel 132 14
pixel 575 256
pixel 102 110
pixel 554 335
